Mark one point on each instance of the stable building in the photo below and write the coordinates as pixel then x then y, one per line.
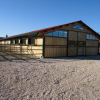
pixel 71 39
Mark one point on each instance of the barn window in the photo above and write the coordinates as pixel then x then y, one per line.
pixel 78 27
pixel 72 43
pixel 94 37
pixel 11 41
pixel 72 46
pixel 58 33
pixel 29 41
pixel 55 33
pixel 65 34
pixel 81 44
pixel 49 34
pixel 91 37
pixel 33 41
pixel 87 36
pixel 16 41
pixel 20 41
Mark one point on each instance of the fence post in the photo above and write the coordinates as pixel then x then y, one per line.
pixel 1 46
pixel 10 49
pixel 20 51
pixel 4 46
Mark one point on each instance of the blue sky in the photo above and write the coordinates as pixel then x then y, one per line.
pixel 21 16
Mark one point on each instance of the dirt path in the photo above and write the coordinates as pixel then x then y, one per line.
pixel 66 78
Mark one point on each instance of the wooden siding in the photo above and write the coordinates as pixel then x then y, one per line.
pixel 92 43
pixel 55 47
pixel 72 36
pixel 91 50
pixel 81 51
pixel 72 51
pixel 55 41
pixel 81 36
pixel 55 51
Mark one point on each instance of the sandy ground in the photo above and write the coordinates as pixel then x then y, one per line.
pixel 68 78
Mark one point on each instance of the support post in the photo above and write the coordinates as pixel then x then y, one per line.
pixel 1 46
pixel 4 46
pixel 43 49
pixel 67 41
pixel 31 50
pixel 20 51
pixel 77 44
pixel 98 47
pixel 10 48
pixel 27 48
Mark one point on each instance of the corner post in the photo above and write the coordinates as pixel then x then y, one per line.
pixel 67 41
pixel 43 50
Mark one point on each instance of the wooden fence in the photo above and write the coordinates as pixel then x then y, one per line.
pixel 34 51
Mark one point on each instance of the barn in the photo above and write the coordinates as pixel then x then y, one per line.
pixel 71 39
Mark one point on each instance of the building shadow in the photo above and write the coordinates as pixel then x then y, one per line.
pixel 50 60
pixel 95 57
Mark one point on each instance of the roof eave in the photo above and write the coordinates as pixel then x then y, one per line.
pixel 19 36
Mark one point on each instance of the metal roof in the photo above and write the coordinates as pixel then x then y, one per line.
pixel 36 31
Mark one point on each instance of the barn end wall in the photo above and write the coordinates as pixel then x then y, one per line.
pixel 60 47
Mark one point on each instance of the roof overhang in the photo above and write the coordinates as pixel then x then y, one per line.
pixel 19 36
pixel 34 33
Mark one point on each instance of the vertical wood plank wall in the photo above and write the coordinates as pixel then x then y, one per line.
pixel 81 36
pixel 72 36
pixel 72 51
pixel 92 47
pixel 55 47
pixel 81 51
pixel 81 48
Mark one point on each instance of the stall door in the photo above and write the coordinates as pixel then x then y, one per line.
pixel 72 43
pixel 81 43
pixel 81 48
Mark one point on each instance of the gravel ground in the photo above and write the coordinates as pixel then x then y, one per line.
pixel 68 78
